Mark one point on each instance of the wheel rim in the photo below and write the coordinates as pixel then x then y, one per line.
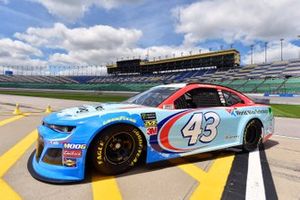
pixel 119 148
pixel 251 136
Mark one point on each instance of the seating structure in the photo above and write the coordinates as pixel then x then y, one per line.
pixel 275 77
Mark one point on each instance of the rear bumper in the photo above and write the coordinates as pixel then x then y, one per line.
pixel 266 137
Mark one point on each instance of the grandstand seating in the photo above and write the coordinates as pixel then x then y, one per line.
pixel 276 77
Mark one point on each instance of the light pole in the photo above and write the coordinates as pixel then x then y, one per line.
pixel 281 57
pixel 266 46
pixel 251 46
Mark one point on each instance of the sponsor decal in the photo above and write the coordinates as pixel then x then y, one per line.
pixel 148 116
pixel 121 118
pixel 72 153
pixel 168 106
pixel 69 162
pixel 152 130
pixel 53 142
pixel 74 146
pixel 251 112
pixel 231 111
pixel 230 137
pixel 150 123
pixel 235 112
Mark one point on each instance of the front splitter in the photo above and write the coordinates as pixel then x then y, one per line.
pixel 39 177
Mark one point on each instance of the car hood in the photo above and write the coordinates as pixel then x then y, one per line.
pixel 81 113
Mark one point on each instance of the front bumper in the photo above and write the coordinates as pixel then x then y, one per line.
pixel 52 174
pixel 48 163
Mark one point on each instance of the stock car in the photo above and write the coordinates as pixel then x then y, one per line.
pixel 164 122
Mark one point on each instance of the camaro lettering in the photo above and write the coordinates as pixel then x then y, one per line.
pixel 74 146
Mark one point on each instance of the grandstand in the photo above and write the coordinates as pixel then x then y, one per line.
pixel 270 78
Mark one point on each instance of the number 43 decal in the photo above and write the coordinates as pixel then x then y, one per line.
pixel 194 131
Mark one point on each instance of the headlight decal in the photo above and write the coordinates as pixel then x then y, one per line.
pixel 59 128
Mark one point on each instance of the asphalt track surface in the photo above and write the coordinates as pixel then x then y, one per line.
pixel 272 172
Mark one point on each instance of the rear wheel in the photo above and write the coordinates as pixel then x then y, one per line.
pixel 252 135
pixel 117 149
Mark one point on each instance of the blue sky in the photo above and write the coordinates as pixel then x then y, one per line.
pixel 77 32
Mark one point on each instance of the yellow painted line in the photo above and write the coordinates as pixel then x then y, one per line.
pixel 11 119
pixel 193 171
pixel 8 159
pixel 211 183
pixel 105 188
pixel 7 193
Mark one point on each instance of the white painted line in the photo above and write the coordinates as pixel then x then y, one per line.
pixel 289 137
pixel 255 189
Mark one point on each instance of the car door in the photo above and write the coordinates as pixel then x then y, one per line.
pixel 203 121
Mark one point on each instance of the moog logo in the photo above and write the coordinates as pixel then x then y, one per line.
pixel 74 146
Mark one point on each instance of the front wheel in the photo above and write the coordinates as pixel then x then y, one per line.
pixel 252 135
pixel 117 149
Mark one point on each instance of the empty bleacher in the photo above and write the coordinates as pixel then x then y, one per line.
pixel 276 77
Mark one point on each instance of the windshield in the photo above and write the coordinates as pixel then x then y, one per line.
pixel 153 97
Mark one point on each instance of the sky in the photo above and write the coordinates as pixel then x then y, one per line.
pixel 97 32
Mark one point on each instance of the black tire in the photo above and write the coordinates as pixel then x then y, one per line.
pixel 252 135
pixel 117 149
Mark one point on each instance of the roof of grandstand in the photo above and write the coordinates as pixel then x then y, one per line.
pixel 220 59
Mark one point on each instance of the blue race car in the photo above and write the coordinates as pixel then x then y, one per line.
pixel 164 122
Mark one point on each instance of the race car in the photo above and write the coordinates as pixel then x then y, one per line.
pixel 164 122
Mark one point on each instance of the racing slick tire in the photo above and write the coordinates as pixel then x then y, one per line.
pixel 252 136
pixel 117 149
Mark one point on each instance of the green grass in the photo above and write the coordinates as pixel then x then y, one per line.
pixel 73 96
pixel 282 110
pixel 279 110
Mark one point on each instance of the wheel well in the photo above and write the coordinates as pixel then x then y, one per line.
pixel 258 120
pixel 143 156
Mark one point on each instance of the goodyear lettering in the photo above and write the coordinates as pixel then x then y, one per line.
pixel 74 146
pixel 99 153
pixel 140 147
pixel 121 118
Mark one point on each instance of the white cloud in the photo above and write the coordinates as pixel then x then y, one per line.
pixel 14 52
pixel 238 20
pixel 96 45
pixel 71 10
pixel 289 51
pixel 95 37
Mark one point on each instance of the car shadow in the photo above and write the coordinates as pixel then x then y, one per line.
pixel 270 143
pixel 141 168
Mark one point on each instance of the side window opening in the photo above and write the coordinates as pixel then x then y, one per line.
pixel 198 98
pixel 231 98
